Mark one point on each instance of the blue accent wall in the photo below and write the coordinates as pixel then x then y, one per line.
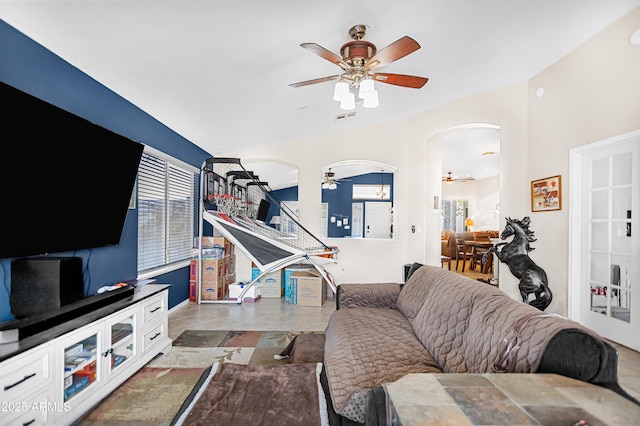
pixel 340 200
pixel 279 195
pixel 31 68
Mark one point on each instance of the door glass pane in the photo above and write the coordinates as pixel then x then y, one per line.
pixel 80 366
pixel 621 169
pixel 600 204
pixel 599 236
pixel 599 268
pixel 621 305
pixel 598 300
pixel 600 173
pixel 621 203
pixel 122 342
pixel 620 243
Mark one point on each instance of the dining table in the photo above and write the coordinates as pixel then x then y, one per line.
pixel 481 245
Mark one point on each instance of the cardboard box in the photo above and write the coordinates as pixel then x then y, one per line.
pixel 270 284
pixel 212 270
pixel 252 295
pixel 308 288
pixel 286 277
pixel 193 290
pixel 206 242
pixel 212 291
pixel 224 243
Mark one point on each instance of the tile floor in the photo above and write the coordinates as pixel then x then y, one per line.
pixel 275 314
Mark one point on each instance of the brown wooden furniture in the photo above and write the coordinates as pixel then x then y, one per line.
pixel 445 259
pixel 463 252
pixel 478 249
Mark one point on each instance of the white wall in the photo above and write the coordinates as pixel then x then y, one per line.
pixel 590 94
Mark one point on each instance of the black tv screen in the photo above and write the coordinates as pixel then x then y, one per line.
pixel 65 183
pixel 263 210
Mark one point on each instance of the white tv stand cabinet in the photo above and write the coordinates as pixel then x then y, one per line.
pixel 58 375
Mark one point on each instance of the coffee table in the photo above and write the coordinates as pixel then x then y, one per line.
pixel 504 399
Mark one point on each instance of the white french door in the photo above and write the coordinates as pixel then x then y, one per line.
pixel 604 288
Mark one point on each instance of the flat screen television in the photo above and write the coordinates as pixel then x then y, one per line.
pixel 263 210
pixel 65 183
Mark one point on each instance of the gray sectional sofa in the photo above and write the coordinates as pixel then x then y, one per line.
pixel 443 322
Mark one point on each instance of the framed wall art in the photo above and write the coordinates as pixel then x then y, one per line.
pixel 546 194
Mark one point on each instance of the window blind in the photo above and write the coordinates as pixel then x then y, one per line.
pixel 166 207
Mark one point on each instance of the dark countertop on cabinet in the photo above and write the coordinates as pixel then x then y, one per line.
pixel 8 350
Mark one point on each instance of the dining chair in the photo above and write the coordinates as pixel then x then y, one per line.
pixel 463 252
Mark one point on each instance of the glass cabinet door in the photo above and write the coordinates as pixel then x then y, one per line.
pixel 81 365
pixel 122 345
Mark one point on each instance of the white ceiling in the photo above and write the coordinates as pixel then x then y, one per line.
pixel 219 73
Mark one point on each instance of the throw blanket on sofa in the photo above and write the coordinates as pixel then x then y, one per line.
pixel 440 321
pixel 468 327
pixel 394 353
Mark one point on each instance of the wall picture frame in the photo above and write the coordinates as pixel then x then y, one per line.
pixel 546 194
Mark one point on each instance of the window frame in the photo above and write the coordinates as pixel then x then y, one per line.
pixel 171 164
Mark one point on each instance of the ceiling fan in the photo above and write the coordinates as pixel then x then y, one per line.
pixel 450 179
pixel 329 181
pixel 359 57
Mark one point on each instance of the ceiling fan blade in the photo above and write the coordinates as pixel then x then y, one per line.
pixel 326 54
pixel 411 81
pixel 314 81
pixel 396 50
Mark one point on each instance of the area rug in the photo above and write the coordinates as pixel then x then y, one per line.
pixel 249 395
pixel 156 392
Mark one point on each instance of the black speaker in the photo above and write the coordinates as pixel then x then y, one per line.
pixel 44 284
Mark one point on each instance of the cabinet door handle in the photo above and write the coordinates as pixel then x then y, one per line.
pixel 25 378
pixel 107 352
pixel 155 309
pixel 152 338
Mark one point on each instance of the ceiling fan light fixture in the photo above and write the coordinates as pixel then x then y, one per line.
pixel 371 100
pixel 349 102
pixel 341 91
pixel 366 88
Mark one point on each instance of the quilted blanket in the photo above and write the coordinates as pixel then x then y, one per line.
pixel 473 328
pixel 366 347
pixel 440 321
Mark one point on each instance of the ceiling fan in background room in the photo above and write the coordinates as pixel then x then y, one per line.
pixel 450 179
pixel 358 58
pixel 329 181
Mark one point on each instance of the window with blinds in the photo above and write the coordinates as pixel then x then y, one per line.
pixel 166 211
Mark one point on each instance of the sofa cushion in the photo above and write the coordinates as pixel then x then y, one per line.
pixel 471 327
pixel 382 295
pixel 365 347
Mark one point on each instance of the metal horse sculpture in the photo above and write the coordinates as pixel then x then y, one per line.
pixel 533 279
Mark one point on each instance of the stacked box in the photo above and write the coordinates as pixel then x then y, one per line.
pixel 212 283
pixel 308 288
pixel 286 277
pixel 225 244
pixel 218 269
pixel 270 284
pixel 193 290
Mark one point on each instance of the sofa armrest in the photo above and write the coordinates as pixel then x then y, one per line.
pixel 378 295
pixel 579 355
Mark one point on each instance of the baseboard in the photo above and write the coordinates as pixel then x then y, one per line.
pixel 179 305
